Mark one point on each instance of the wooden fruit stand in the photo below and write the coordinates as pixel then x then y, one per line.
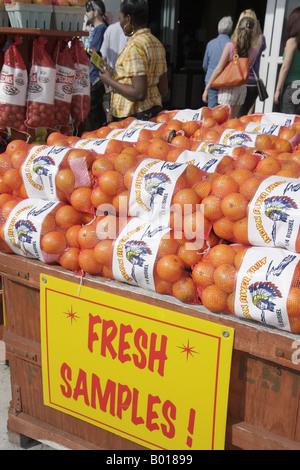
pixel 263 408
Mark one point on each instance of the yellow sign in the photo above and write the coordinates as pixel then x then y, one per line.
pixel 151 375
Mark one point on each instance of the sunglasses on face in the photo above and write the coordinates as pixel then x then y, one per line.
pixel 89 6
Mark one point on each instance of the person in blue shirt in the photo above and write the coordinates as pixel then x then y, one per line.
pixel 213 53
pixel 96 16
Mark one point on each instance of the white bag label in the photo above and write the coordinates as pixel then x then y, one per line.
pixel 41 87
pixel 152 189
pixel 132 132
pixel 274 213
pixel 39 171
pixel 215 149
pixel 22 229
pixel 263 283
pixel 278 118
pixel 65 78
pixel 135 252
pixel 203 160
pixel 185 115
pixel 96 145
pixel 82 81
pixel 13 85
pixel 236 138
pixel 260 128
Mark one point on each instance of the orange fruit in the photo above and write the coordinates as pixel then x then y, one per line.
pixel 185 290
pixel 268 166
pixel 167 246
pixel 181 141
pixel 221 254
pixel 230 303
pixel 120 203
pixel 162 286
pixel 290 166
pixel 13 178
pixel 158 149
pixel 263 142
pixel 203 273
pixel 5 163
pixel 203 188
pixel 209 122
pixel 225 277
pixel 247 161
pixel 225 165
pixel 65 181
pixel 249 187
pixel 234 206
pixel 234 123
pixel 48 225
pixel 239 258
pixel 220 113
pixel 4 197
pixel 103 252
pixel 193 175
pixel 293 303
pixel 101 165
pixel 186 200
pixel 66 216
pixel 17 158
pixel 113 146
pixel 87 262
pixel 190 127
pixel 84 157
pixel 111 182
pixel 212 207
pixel 72 235
pixel 223 228
pixel 223 185
pixel 195 224
pixel 81 199
pixel 240 231
pixel 169 268
pixel 69 259
pixel 54 242
pixel 87 236
pixel 99 197
pixel 240 175
pixel 54 137
pixel 16 146
pixel 7 207
pixel 189 256
pixel 124 161
pixel 214 299
pixel 282 145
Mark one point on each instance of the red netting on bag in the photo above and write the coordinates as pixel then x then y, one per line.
pixel 41 87
pixel 229 283
pixel 65 77
pixel 80 104
pixel 13 87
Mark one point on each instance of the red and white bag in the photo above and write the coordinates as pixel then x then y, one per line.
pixel 13 87
pixel 41 88
pixel 80 104
pixel 65 77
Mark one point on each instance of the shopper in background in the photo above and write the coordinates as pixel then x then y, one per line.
pixel 213 53
pixel 234 97
pixel 141 67
pixel 95 12
pixel 113 43
pixel 287 93
pixel 258 44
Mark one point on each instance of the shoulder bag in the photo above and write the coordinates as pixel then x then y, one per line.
pixel 261 88
pixel 235 73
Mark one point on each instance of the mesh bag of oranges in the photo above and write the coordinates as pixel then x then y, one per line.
pixel 140 254
pixel 212 116
pixel 250 208
pixel 36 228
pixel 262 285
pixel 48 172
pixel 291 121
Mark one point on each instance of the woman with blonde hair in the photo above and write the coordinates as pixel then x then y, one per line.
pixel 234 97
pixel 258 44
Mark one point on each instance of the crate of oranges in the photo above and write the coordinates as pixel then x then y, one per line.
pixel 261 285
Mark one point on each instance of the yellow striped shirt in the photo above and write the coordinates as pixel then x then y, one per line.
pixel 143 55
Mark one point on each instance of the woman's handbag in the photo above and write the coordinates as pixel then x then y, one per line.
pixel 235 73
pixel 261 88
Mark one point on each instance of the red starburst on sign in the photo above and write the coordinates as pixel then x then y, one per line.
pixel 189 350
pixel 72 315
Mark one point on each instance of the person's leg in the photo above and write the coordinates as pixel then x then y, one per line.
pixel 212 98
pixel 251 96
pixel 97 115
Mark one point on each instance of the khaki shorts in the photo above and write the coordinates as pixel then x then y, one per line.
pixel 232 96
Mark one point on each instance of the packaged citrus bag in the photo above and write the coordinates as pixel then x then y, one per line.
pixel 257 284
pixel 36 228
